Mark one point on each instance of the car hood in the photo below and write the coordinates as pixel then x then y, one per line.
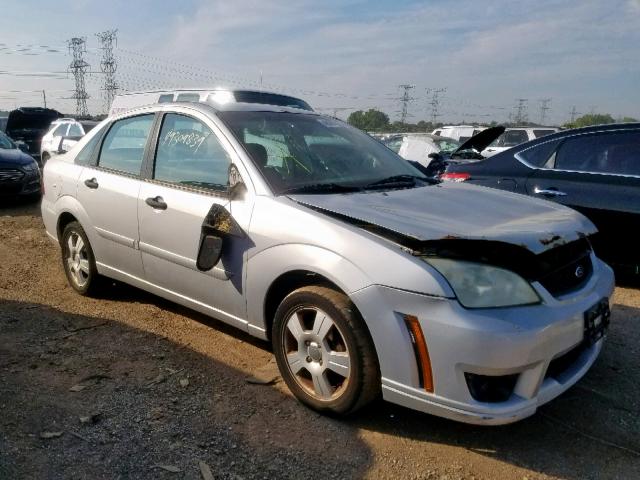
pixel 481 140
pixel 449 211
pixel 14 158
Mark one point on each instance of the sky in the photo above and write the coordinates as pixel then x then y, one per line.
pixel 340 55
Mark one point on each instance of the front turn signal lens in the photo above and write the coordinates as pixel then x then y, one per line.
pixel 421 352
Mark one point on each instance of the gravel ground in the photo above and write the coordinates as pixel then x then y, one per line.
pixel 131 386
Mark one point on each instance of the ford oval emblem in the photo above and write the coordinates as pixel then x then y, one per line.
pixel 579 273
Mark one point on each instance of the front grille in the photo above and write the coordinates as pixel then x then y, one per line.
pixel 11 175
pixel 566 268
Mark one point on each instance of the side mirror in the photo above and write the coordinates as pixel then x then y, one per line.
pixel 434 156
pixel 217 226
pixel 210 252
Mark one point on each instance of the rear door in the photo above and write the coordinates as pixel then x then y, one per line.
pixel 190 174
pixel 108 191
pixel 598 174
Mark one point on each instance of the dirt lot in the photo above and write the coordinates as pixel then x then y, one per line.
pixel 131 386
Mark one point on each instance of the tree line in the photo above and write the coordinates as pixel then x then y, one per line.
pixel 374 120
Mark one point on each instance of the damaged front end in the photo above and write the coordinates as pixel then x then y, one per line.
pixel 502 233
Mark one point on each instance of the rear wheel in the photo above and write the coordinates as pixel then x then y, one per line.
pixel 324 351
pixel 78 260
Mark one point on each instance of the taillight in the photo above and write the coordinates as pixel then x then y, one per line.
pixel 455 177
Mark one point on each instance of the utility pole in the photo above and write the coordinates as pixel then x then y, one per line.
pixel 435 102
pixel 108 65
pixel 78 66
pixel 405 99
pixel 544 108
pixel 573 114
pixel 44 98
pixel 521 116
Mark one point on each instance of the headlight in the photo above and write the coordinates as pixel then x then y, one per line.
pixel 482 286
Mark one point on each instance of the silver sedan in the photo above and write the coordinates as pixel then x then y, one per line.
pixel 368 278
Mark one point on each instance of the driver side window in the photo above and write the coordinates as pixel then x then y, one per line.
pixel 189 154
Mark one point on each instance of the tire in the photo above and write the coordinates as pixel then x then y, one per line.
pixel 78 260
pixel 330 367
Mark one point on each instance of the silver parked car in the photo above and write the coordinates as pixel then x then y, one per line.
pixel 368 278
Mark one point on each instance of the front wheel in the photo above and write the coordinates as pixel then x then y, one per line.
pixel 324 351
pixel 78 260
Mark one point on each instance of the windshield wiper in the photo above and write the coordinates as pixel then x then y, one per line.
pixel 321 188
pixel 399 181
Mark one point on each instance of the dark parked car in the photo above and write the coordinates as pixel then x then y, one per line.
pixel 29 124
pixel 19 173
pixel 595 170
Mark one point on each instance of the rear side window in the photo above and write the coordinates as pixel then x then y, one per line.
pixel 511 138
pixel 541 133
pixel 188 97
pixel 84 156
pixel 61 130
pixel 615 152
pixel 189 154
pixel 74 130
pixel 537 156
pixel 123 147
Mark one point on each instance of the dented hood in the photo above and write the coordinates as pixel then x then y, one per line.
pixel 458 211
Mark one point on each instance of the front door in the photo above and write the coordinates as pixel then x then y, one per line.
pixel 109 190
pixel 190 175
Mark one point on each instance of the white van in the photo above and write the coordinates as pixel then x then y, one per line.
pixel 220 96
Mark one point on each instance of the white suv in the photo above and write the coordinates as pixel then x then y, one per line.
pixel 63 127
pixel 515 136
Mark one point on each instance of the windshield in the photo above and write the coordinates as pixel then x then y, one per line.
pixel 305 152
pixel 6 143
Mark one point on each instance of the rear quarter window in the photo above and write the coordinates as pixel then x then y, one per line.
pixel 538 155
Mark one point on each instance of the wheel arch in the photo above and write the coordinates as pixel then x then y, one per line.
pixel 267 287
pixel 64 219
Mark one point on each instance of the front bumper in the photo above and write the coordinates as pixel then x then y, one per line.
pixel 27 183
pixel 520 341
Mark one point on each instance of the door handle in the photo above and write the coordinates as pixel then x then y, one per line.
pixel 91 183
pixel 549 192
pixel 156 202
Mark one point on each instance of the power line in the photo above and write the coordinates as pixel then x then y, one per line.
pixel 521 116
pixel 435 102
pixel 108 65
pixel 544 108
pixel 573 114
pixel 405 99
pixel 78 66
